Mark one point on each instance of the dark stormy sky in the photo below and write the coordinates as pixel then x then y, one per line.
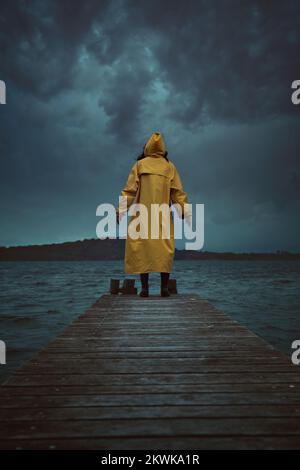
pixel 88 82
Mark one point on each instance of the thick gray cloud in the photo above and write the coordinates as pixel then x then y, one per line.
pixel 87 82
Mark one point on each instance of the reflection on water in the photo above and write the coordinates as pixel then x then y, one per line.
pixel 38 299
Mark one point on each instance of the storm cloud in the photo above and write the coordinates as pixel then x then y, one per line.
pixel 88 82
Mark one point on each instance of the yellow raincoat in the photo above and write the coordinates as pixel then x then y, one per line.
pixel 152 180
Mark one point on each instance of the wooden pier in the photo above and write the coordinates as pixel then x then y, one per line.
pixel 136 373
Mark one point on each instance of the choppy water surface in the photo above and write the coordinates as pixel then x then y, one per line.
pixel 38 299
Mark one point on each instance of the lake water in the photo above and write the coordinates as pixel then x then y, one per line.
pixel 38 299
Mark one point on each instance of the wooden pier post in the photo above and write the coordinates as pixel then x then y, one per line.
pixel 114 286
pixel 128 287
pixel 172 286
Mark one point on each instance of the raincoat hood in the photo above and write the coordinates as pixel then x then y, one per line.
pixel 155 147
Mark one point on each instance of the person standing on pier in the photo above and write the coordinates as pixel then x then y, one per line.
pixel 153 180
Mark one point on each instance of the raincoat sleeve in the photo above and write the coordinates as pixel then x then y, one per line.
pixel 129 192
pixel 178 195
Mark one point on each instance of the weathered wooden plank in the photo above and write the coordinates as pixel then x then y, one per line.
pixel 160 331
pixel 152 427
pixel 119 342
pixel 159 443
pixel 60 354
pixel 131 412
pixel 185 361
pixel 25 389
pixel 182 364
pixel 50 369
pixel 152 399
pixel 143 322
pixel 138 379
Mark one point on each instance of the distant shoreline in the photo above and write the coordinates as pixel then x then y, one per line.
pixel 109 249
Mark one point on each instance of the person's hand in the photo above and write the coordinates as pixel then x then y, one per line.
pixel 119 216
pixel 188 219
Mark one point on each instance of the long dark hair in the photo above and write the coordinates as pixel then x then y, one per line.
pixel 142 155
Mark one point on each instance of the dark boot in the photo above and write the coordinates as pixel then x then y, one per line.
pixel 145 286
pixel 164 279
